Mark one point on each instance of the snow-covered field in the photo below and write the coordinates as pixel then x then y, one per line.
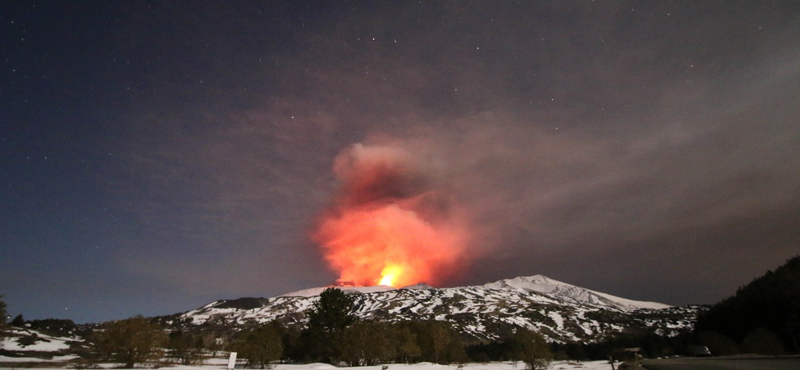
pixel 556 365
pixel 592 365
pixel 34 359
pixel 44 343
pixel 221 364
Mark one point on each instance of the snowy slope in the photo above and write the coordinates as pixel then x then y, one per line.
pixel 536 283
pixel 35 341
pixel 543 284
pixel 560 311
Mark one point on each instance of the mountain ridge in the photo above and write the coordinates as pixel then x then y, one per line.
pixel 538 283
pixel 560 311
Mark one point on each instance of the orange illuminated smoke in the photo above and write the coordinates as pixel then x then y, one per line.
pixel 388 246
pixel 378 232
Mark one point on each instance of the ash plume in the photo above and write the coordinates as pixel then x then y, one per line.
pixel 390 223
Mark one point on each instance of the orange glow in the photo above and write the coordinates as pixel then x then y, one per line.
pixel 389 223
pixel 389 274
pixel 389 245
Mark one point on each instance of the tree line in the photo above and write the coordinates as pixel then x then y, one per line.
pixel 762 317
pixel 333 335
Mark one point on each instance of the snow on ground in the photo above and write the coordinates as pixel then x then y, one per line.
pixel 220 364
pixel 557 319
pixel 34 359
pixel 43 342
pixel 555 365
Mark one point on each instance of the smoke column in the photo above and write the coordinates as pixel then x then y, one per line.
pixel 391 222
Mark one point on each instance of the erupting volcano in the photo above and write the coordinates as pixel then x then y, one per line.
pixel 389 224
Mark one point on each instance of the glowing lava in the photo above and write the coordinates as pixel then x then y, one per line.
pixel 383 229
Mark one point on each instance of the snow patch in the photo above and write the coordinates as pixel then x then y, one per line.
pixel 42 342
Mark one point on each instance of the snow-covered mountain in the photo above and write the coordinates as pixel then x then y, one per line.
pixel 543 284
pixel 560 311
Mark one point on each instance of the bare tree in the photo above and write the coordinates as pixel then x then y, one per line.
pixel 530 347
pixel 3 313
pixel 261 346
pixel 130 341
pixel 3 318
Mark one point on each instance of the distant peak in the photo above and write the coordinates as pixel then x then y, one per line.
pixel 539 277
pixel 539 283
pixel 546 285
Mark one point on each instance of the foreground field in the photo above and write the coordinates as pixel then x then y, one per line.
pixel 731 362
pixel 219 363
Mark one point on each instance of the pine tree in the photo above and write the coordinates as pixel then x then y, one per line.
pixel 331 314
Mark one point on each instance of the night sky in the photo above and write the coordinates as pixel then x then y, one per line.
pixel 158 155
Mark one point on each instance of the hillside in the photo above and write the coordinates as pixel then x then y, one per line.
pixel 561 312
pixel 770 302
pixel 583 322
pixel 24 344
